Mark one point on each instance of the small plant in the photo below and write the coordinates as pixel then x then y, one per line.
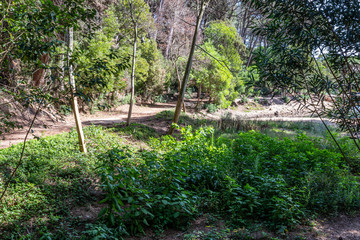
pixel 126 99
pixel 286 99
pixel 160 99
pixel 211 108
pixel 213 234
pixel 65 110
pixel 244 99
pixel 103 232
pixel 53 179
pixel 188 93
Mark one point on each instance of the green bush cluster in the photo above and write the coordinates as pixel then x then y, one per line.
pixel 251 178
pixel 54 177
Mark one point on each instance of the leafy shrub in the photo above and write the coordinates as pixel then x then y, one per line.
pixel 250 178
pixel 150 72
pixel 286 99
pixel 211 108
pixel 101 231
pixel 160 99
pixel 65 110
pixel 244 99
pixel 126 99
pixel 53 178
pixel 143 194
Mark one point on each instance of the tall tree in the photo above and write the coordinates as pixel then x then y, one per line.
pixel 202 6
pixel 134 14
pixel 134 19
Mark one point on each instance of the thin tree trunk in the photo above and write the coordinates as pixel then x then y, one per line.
pixel 199 98
pixel 171 35
pixel 169 42
pixel 188 69
pixel 243 30
pixel 39 74
pixel 161 6
pixel 251 51
pixel 74 103
pixel 179 87
pixel 132 77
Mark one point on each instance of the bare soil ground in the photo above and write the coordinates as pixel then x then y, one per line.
pixel 45 126
pixel 341 227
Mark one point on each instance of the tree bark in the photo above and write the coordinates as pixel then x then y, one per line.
pixel 159 16
pixel 179 87
pixel 188 69
pixel 252 47
pixel 169 41
pixel 74 103
pixel 39 74
pixel 171 34
pixel 132 76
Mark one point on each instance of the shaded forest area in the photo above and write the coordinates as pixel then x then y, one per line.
pixel 202 177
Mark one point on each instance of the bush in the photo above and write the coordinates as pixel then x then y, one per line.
pixel 160 99
pixel 126 99
pixel 211 108
pixel 248 179
pixel 53 178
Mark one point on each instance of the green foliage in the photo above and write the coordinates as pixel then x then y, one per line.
pixel 211 108
pixel 150 74
pixel 318 57
pixel 130 13
pixel 221 62
pixel 35 20
pixel 100 67
pixel 214 77
pixel 53 178
pixel 30 29
pixel 6 125
pixel 154 198
pixel 247 178
pixel 250 78
pixel 227 42
pixel 126 99
pixel 212 234
pixel 103 232
pixel 136 131
pixel 161 99
pixel 251 178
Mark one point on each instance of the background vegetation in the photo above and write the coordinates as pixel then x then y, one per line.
pixel 216 53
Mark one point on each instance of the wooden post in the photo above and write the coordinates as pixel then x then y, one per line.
pixel 74 103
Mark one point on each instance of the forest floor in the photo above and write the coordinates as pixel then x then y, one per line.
pixel 338 227
pixel 46 124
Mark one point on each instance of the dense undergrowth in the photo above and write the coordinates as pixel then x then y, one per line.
pixel 247 179
pixel 53 178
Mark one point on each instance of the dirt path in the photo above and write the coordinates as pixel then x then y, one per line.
pixel 46 127
pixel 339 228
